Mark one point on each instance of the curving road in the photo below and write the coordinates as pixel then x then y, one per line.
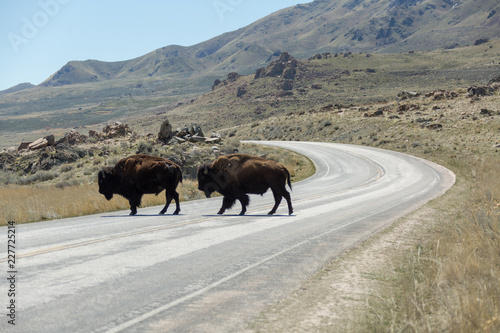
pixel 200 272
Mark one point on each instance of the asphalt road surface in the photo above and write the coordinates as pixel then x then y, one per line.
pixel 198 271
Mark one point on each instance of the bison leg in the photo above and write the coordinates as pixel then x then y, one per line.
pixel 277 200
pixel 169 195
pixel 227 203
pixel 244 200
pixel 177 205
pixel 135 202
pixel 289 202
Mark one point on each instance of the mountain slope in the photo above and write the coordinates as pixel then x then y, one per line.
pixel 320 26
pixel 17 87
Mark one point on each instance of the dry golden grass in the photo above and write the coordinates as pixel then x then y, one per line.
pixel 450 279
pixel 36 203
pixel 443 277
pixel 31 203
pixel 467 269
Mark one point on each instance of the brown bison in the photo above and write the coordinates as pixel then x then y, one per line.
pixel 136 175
pixel 235 175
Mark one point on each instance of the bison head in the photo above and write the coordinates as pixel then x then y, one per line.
pixel 105 179
pixel 212 179
pixel 205 180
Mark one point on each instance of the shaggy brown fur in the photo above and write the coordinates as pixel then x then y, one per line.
pixel 236 175
pixel 136 175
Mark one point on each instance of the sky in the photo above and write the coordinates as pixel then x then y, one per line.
pixel 38 37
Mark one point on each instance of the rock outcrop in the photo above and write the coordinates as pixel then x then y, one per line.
pixel 165 133
pixel 38 144
pixel 285 67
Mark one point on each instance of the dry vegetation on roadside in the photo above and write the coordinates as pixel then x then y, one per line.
pixel 437 270
pixel 37 202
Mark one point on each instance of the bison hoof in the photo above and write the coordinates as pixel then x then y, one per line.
pixel 242 213
pixel 176 212
pixel 220 212
pixel 132 213
pixel 162 212
pixel 270 213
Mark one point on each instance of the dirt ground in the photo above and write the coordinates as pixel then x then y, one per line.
pixel 337 298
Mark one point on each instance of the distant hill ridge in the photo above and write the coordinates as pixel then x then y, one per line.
pixel 382 26
pixel 18 87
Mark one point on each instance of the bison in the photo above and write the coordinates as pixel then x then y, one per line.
pixel 136 175
pixel 236 175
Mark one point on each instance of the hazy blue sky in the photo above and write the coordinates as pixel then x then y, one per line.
pixel 37 37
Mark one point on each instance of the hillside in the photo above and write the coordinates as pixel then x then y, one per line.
pixel 321 26
pixel 420 77
pixel 17 87
pixel 332 81
pixel 434 270
pixel 91 93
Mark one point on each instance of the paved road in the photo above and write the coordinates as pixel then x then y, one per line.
pixel 200 272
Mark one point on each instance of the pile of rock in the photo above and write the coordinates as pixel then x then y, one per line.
pixel 72 138
pixel 194 134
pixel 407 95
pixel 481 91
pixel 116 130
pixel 231 77
pixel 185 134
pixel 285 67
pixel 38 144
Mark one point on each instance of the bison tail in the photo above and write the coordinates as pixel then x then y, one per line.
pixel 288 179
pixel 179 175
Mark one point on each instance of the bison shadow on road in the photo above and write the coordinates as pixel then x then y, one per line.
pixel 140 215
pixel 247 215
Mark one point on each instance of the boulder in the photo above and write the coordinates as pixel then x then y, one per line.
pixel 486 112
pixel 165 133
pixel 179 139
pixel 23 146
pixel 116 130
pixel 241 91
pixel 217 82
pixel 213 140
pixel 481 91
pixel 51 139
pixel 196 130
pixel 38 144
pixel 182 132
pixel 72 138
pixel 407 94
pixel 233 77
pixel 93 134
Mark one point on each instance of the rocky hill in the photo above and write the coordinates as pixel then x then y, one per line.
pixel 92 93
pixel 321 26
pixel 329 81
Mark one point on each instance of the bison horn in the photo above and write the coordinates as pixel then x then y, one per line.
pixel 205 170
